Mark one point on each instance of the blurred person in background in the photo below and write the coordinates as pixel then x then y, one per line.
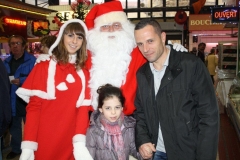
pixel 211 62
pixel 19 64
pixel 194 50
pixel 46 43
pixel 200 53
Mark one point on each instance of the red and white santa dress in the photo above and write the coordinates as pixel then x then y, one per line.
pixel 57 111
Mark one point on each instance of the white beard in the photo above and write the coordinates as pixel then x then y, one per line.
pixel 110 59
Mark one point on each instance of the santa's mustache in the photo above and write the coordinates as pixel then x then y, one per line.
pixel 116 40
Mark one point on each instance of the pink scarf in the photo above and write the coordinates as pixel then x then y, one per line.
pixel 113 132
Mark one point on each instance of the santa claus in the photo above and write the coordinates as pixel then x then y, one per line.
pixel 114 57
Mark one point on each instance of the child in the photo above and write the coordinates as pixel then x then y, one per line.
pixel 111 135
pixel 59 100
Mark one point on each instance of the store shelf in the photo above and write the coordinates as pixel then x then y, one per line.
pixel 227 55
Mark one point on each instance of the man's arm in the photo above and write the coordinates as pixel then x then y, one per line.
pixel 142 140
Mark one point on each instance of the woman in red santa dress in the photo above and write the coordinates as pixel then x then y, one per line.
pixel 58 100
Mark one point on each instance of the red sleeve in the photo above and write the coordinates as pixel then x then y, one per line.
pixel 33 117
pixel 34 88
pixel 130 87
pixel 82 120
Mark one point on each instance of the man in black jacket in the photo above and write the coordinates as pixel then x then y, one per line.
pixel 5 104
pixel 176 108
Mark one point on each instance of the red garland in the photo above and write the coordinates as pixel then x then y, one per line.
pixel 180 17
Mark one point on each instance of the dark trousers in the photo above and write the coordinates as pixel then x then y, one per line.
pixel 160 156
pixel 212 78
pixel 16 133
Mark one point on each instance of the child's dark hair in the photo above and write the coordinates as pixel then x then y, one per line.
pixel 108 91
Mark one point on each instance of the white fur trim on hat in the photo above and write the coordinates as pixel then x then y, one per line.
pixel 111 17
pixel 61 32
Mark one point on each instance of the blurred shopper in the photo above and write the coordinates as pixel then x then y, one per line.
pixel 5 103
pixel 211 62
pixel 46 43
pixel 194 50
pixel 19 64
pixel 200 53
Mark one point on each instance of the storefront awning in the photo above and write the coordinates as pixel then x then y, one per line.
pixel 24 7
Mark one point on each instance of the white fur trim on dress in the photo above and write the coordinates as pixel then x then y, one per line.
pixel 61 32
pixel 86 102
pixel 62 86
pixel 81 97
pixel 79 138
pixel 70 78
pixel 50 80
pixel 109 18
pixel 26 93
pixel 29 145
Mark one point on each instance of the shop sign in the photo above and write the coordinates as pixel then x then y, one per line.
pixel 64 15
pixel 12 23
pixel 204 22
pixel 225 14
pixel 15 21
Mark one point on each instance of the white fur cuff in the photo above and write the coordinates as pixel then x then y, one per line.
pixel 79 138
pixel 29 145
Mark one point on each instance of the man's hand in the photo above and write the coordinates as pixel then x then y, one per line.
pixel 42 57
pixel 178 47
pixel 146 150
pixel 16 81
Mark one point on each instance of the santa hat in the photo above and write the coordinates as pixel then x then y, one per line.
pixel 61 32
pixel 105 13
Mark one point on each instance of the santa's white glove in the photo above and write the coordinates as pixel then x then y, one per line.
pixel 42 57
pixel 28 148
pixel 81 152
pixel 178 47
pixel 27 154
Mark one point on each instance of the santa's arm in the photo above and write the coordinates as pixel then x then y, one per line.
pixel 130 86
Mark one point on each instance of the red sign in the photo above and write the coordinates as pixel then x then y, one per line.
pixel 225 14
pixel 15 21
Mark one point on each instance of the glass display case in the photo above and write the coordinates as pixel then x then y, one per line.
pixel 227 61
pixel 233 109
